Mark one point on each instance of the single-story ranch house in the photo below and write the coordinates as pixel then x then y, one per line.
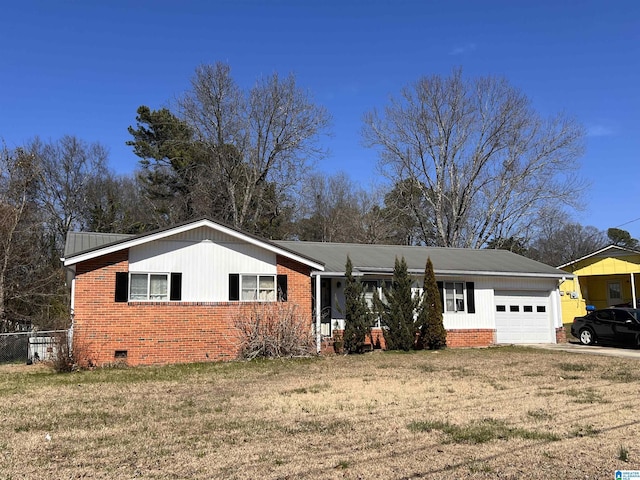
pixel 171 295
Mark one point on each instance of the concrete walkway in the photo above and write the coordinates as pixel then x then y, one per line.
pixel 589 349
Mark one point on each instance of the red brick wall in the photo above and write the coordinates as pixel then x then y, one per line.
pixel 298 283
pixel 470 338
pixel 161 332
pixel 455 338
pixel 561 335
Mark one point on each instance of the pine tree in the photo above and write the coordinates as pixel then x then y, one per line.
pixel 432 332
pixel 397 315
pixel 357 322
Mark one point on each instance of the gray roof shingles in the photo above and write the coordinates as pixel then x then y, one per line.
pixel 381 258
pixel 368 258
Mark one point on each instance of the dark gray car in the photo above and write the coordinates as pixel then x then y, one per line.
pixel 609 325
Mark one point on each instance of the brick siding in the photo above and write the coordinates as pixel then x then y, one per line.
pixel 153 333
pixel 455 339
pixel 561 335
pixel 470 338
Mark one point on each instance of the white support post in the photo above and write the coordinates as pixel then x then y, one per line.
pixel 318 316
pixel 633 291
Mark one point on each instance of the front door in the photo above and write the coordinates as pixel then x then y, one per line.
pixel 614 293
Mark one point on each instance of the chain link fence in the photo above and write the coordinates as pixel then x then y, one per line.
pixel 31 347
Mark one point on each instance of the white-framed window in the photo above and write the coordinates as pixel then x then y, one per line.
pixel 454 297
pixel 258 288
pixel 149 287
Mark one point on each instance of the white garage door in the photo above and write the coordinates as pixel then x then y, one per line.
pixel 523 317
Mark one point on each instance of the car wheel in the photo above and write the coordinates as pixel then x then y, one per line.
pixel 587 337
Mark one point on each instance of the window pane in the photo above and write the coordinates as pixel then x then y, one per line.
pixel 614 291
pixel 138 289
pixel 501 308
pixel 267 295
pixel 159 287
pixel 267 289
pixel 248 295
pixel 249 287
pixel 249 281
pixel 541 309
pixel 514 308
pixel 449 301
pixel 459 297
pixel 527 308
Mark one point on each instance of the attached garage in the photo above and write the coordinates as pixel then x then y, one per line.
pixel 523 317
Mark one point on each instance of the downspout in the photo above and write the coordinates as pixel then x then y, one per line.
pixel 318 315
pixel 633 291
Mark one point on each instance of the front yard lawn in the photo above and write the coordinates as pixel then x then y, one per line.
pixel 507 412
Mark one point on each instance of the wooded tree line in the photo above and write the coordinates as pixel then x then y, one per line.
pixel 466 163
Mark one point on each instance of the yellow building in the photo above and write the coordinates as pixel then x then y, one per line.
pixel 605 278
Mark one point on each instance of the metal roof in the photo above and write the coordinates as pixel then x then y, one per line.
pixel 79 242
pixel 381 259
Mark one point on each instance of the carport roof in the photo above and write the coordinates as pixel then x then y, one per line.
pixel 380 259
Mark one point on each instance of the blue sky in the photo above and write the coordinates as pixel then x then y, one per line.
pixel 84 67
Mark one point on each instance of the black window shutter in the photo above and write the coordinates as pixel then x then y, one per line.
pixel 282 288
pixel 122 286
pixel 441 290
pixel 234 287
pixel 176 287
pixel 471 299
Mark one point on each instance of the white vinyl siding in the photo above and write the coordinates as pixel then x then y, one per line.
pixel 204 264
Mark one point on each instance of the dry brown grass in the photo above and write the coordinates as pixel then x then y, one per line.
pixel 500 412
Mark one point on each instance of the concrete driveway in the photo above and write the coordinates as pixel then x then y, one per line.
pixel 577 347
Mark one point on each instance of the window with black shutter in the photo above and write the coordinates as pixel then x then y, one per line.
pixel 234 287
pixel 282 288
pixel 176 287
pixel 122 286
pixel 441 290
pixel 471 299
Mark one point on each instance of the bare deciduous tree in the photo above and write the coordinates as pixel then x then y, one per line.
pixel 252 140
pixel 334 209
pixel 485 161
pixel 30 277
pixel 558 241
pixel 65 168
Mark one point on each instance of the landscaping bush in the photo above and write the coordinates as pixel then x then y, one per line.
pixel 62 359
pixel 357 317
pixel 397 312
pixel 273 330
pixel 433 335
